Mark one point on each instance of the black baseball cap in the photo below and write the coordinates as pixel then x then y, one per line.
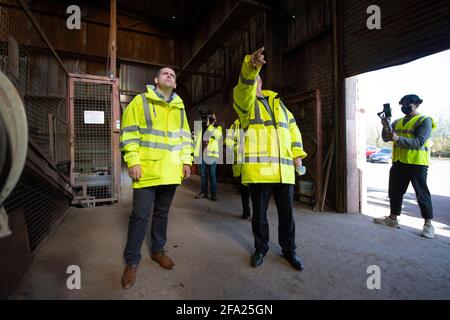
pixel 410 98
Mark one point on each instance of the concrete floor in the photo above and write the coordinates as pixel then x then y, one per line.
pixel 211 248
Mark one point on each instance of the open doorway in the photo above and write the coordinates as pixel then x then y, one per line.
pixel 368 175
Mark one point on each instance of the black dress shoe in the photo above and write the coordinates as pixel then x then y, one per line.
pixel 257 258
pixel 245 217
pixel 294 261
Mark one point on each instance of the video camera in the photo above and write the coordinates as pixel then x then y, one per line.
pixel 385 117
pixel 203 113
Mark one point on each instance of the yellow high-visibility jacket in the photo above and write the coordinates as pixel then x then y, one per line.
pixel 156 135
pixel 272 138
pixel 419 156
pixel 214 134
pixel 234 142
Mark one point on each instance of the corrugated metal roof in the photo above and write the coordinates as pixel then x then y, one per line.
pixel 410 29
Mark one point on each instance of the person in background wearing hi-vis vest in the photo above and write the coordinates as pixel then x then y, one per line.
pixel 273 150
pixel 410 161
pixel 235 143
pixel 157 145
pixel 206 154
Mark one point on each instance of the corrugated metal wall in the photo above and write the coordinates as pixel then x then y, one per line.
pixel 91 41
pixel 410 29
pixel 228 60
pixel 307 18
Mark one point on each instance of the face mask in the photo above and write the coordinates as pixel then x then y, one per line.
pixel 406 109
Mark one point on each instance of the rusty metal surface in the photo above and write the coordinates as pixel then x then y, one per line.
pixel 95 155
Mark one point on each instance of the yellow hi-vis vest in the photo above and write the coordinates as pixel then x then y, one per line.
pixel 419 156
pixel 235 147
pixel 213 134
pixel 156 135
pixel 272 139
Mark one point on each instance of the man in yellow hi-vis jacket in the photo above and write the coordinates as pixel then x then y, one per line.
pixel 157 146
pixel 273 149
pixel 206 154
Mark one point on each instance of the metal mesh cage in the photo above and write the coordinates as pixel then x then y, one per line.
pixel 29 63
pixel 42 82
pixel 93 162
pixel 43 206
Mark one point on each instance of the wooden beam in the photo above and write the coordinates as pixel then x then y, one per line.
pixel 259 5
pixel 113 39
pixel 339 111
pixel 123 60
pixel 94 22
pixel 221 33
pixel 211 36
pixel 41 33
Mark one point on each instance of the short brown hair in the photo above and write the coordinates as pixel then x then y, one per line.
pixel 159 71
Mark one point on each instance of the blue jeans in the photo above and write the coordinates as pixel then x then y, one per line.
pixel 145 200
pixel 204 168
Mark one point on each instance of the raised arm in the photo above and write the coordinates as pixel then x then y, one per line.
pixel 244 93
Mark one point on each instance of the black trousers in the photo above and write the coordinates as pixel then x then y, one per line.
pixel 245 198
pixel 284 196
pixel 145 201
pixel 399 177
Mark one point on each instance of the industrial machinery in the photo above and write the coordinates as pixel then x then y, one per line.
pixel 13 144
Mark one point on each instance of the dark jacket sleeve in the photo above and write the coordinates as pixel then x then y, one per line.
pixel 422 134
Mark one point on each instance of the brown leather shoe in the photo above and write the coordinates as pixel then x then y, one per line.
pixel 163 260
pixel 129 276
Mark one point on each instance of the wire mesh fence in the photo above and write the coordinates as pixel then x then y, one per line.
pixel 28 62
pixel 93 155
pixel 43 206
pixel 42 82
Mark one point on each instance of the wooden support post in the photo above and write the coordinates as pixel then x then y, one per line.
pixel 327 175
pixel 113 39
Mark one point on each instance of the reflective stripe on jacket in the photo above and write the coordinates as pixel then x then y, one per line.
pixel 213 135
pixel 156 135
pixel 235 147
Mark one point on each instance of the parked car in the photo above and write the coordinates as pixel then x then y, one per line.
pixel 383 155
pixel 370 150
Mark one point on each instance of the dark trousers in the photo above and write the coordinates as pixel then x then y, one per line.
pixel 399 177
pixel 204 169
pixel 245 198
pixel 145 200
pixel 283 194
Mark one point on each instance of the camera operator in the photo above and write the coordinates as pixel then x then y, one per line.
pixel 206 153
pixel 410 161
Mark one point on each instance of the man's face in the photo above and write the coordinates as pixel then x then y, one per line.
pixel 166 79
